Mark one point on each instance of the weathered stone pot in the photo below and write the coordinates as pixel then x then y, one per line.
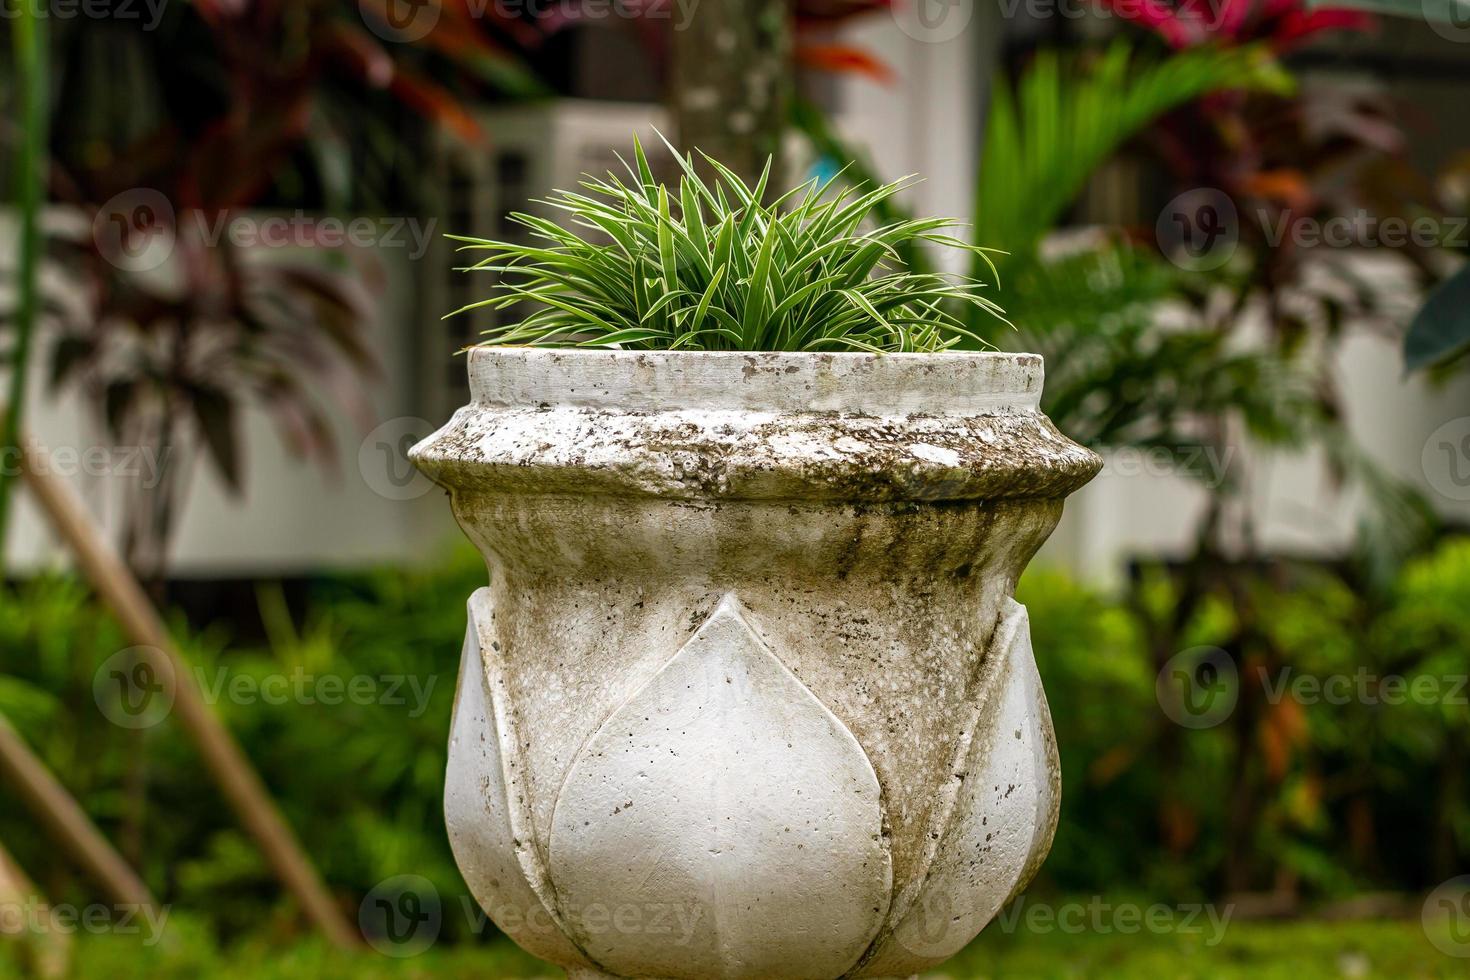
pixel 747 695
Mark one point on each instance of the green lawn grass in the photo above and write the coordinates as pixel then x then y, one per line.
pixel 1260 951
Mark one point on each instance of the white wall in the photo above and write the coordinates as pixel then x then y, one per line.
pixel 291 517
pixel 927 120
pixel 1296 505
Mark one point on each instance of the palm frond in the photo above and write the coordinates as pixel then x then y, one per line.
pixel 1063 119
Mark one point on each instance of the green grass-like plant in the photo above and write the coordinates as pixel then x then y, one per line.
pixel 710 266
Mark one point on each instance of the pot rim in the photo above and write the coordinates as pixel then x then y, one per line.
pixel 850 382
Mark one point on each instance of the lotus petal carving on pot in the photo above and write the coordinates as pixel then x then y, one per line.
pixel 484 809
pixel 747 695
pixel 1000 814
pixel 725 787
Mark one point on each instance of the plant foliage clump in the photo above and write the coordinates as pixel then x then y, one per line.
pixel 715 268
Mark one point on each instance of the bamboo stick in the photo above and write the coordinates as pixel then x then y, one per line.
pixel 232 771
pixel 51 944
pixel 63 819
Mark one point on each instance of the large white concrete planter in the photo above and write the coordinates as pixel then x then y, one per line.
pixel 747 695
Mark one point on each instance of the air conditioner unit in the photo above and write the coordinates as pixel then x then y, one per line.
pixel 529 151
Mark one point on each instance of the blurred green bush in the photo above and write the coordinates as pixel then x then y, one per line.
pixel 1248 951
pixel 361 783
pixel 1335 797
pixel 1342 765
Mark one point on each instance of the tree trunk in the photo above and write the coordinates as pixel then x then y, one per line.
pixel 732 80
